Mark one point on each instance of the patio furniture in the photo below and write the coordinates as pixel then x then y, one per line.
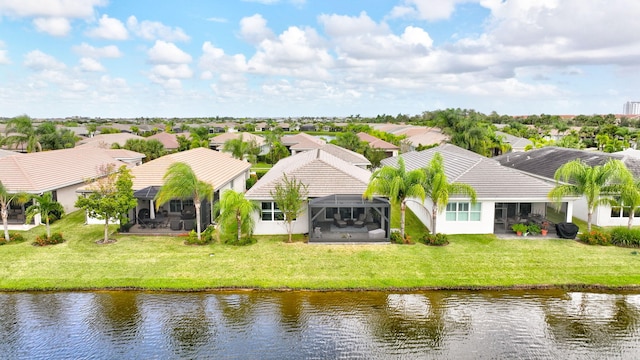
pixel 360 221
pixel 189 225
pixel 338 221
pixel 376 234
pixel 175 224
pixel 188 212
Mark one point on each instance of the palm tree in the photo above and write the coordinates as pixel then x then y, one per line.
pixel 234 206
pixel 6 199
pixel 20 130
pixel 438 188
pixel 598 184
pixel 240 149
pixel 630 196
pixel 180 182
pixel 46 207
pixel 398 185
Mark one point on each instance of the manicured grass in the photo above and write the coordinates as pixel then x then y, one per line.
pixel 165 263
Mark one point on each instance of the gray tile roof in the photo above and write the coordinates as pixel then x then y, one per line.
pixel 490 180
pixel 545 161
pixel 323 173
pixel 516 142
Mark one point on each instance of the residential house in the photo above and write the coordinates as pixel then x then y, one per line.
pixel 544 162
pixel 216 168
pixel 60 171
pixel 106 141
pixel 504 196
pixel 375 143
pixel 347 155
pixel 301 142
pixel 217 142
pixel 168 140
pixel 335 210
pixel 517 143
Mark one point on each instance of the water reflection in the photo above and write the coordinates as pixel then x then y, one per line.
pixel 293 325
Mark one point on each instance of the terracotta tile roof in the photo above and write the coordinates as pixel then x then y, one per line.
pixel 169 141
pixel 302 141
pixel 376 143
pixel 4 153
pixel 210 166
pixel 50 170
pixel 106 140
pixel 222 138
pixel 323 173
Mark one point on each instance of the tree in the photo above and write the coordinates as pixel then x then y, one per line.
pixel 630 196
pixel 350 141
pixel 290 196
pixel 598 184
pixel 240 149
pixel 398 185
pixel 180 182
pixel 46 207
pixel 277 152
pixel 236 213
pixel 438 188
pixel 6 199
pixel 20 131
pixel 110 197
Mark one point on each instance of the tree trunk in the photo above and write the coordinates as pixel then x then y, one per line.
pixel 630 224
pixel 48 228
pixel 196 203
pixel 5 224
pixel 106 229
pixel 403 206
pixel 289 229
pixel 434 217
pixel 589 220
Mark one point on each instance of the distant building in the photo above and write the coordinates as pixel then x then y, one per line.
pixel 631 108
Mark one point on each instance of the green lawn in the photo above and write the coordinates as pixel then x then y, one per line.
pixel 165 263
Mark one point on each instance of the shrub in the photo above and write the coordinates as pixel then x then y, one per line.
pixel 252 180
pixel 623 236
pixel 519 227
pixel 595 237
pixel 261 173
pixel 396 238
pixel 14 237
pixel 206 236
pixel 43 240
pixel 534 229
pixel 435 239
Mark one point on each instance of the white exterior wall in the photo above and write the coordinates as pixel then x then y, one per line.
pixel 67 197
pixel 484 226
pixel 300 226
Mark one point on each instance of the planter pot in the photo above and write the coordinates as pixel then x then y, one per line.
pixel 544 232
pixel 519 233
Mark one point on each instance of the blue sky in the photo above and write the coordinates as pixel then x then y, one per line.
pixel 272 58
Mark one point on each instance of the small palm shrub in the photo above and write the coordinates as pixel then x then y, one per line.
pixel 206 237
pixel 13 237
pixel 622 236
pixel 595 237
pixel 396 238
pixel 44 240
pixel 435 239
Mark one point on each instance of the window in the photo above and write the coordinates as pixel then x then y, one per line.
pixel 463 211
pixel 175 205
pixel 270 211
pixel 618 212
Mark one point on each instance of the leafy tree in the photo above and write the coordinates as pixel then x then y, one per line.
pixel 152 148
pixel 183 143
pixel 350 141
pixel 630 195
pixel 599 184
pixel 111 196
pixel 240 149
pixel 398 185
pixel 180 182
pixel 20 131
pixel 438 188
pixel 46 207
pixel 6 199
pixel 375 156
pixel 52 138
pixel 235 213
pixel 290 196
pixel 277 152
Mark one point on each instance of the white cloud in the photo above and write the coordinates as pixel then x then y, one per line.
pixel 91 65
pixel 56 26
pixel 86 50
pixel 50 8
pixel 180 71
pixel 39 61
pixel 4 58
pixel 167 53
pixel 431 10
pixel 152 30
pixel 109 29
pixel 254 29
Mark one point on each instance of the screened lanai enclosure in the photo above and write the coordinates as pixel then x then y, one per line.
pixel 349 218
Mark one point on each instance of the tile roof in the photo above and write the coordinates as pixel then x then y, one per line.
pixel 545 161
pixel 347 155
pixel 376 143
pixel 302 141
pixel 106 140
pixel 211 166
pixel 516 142
pixel 323 173
pixel 168 140
pixel 4 153
pixel 490 180
pixel 50 170
pixel 222 138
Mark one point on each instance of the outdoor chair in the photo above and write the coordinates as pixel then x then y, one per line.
pixel 175 224
pixel 338 221
pixel 189 225
pixel 360 221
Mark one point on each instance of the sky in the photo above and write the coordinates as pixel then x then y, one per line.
pixel 333 58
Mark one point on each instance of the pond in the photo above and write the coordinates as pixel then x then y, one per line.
pixel 320 325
